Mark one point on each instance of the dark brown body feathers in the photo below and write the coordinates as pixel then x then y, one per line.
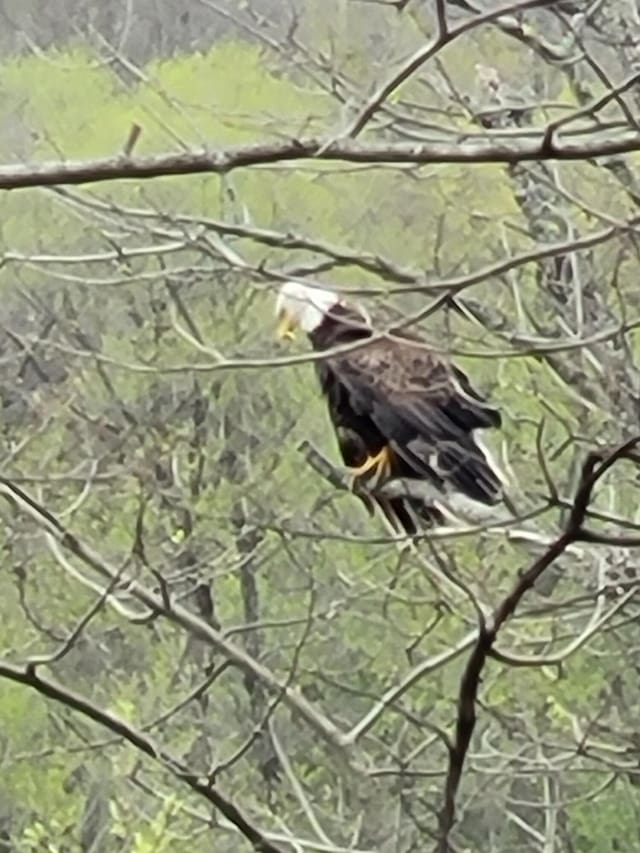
pixel 397 393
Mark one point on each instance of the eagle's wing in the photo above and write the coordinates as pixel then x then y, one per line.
pixel 358 439
pixel 427 411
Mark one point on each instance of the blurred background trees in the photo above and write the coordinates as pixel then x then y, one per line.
pixel 141 407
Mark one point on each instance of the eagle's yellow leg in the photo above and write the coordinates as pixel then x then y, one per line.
pixel 380 463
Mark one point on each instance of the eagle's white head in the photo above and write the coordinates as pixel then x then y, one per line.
pixel 301 306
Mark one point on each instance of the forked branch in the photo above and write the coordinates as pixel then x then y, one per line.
pixel 161 605
pixel 594 468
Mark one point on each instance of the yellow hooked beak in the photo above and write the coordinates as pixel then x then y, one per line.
pixel 286 327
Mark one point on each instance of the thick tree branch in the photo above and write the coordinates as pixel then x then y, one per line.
pixel 539 147
pixel 339 479
pixel 594 468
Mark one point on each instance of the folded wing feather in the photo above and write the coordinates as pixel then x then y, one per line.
pixel 426 410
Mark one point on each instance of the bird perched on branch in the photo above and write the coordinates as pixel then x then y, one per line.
pixel 400 410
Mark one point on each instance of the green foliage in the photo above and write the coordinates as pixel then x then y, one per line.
pixel 195 487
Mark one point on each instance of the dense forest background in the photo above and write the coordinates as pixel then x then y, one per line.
pixel 207 645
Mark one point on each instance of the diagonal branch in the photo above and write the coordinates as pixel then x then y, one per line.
pixel 28 676
pixel 339 479
pixel 594 468
pixel 444 37
pixel 178 615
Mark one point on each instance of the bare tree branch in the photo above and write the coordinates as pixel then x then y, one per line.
pixel 28 676
pixel 444 37
pixel 118 168
pixel 175 613
pixel 594 468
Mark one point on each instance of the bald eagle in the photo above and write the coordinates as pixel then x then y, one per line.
pixel 399 410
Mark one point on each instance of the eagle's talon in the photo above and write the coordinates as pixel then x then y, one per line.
pixel 380 465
